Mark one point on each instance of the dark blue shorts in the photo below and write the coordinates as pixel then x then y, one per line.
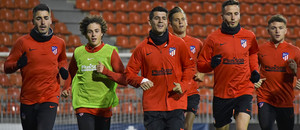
pixel 193 103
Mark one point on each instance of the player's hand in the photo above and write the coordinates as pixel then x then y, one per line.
pixel 254 76
pixel 298 84
pixel 100 67
pixel 22 61
pixel 216 60
pixel 65 93
pixel 293 65
pixel 63 73
pixel 258 84
pixel 147 85
pixel 177 88
pixel 199 76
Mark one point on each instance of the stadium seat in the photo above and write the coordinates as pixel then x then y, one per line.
pixel 184 6
pixel 268 9
pixel 61 28
pixel 121 29
pixel 122 41
pixel 134 17
pixel 189 30
pixel 29 15
pixel 144 18
pixel 95 13
pixel 210 19
pixel 74 40
pixel 246 20
pixel 282 9
pixel 8 3
pixel 111 30
pixel 273 1
pixel 296 2
pixel 290 34
pixel 130 94
pixel 294 10
pixel 108 16
pixel 256 8
pixel 134 29
pixel 13 93
pixel 68 108
pixel 297 31
pixel 261 32
pixel 132 5
pixel 30 26
pixel 139 108
pixel 206 94
pixel 294 21
pixel 170 5
pixel 198 30
pixel 20 14
pixel 120 5
pixel 145 29
pixel 21 4
pixel 145 6
pixel 83 5
pixel 4 48
pixel 19 27
pixel 32 3
pixel 218 8
pixel 2 66
pixel 208 7
pixel 245 8
pixel 121 17
pixel 95 5
pixel 259 20
pixel 5 39
pixel 209 29
pixel 196 7
pixel 127 108
pixel 2 94
pixel 204 108
pixel 197 19
pixel 6 14
pixel 157 3
pixel 12 109
pixel 296 109
pixel 262 1
pixel 134 41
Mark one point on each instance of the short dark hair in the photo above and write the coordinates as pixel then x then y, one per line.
pixel 41 7
pixel 92 19
pixel 277 18
pixel 157 8
pixel 175 10
pixel 229 2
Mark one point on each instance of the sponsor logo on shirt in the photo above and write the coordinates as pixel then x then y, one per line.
pixel 88 68
pixel 54 49
pixel 233 61
pixel 193 49
pixel 162 72
pixel 172 51
pixel 275 68
pixel 244 43
pixel 285 56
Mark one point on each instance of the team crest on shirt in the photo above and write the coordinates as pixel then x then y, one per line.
pixel 285 56
pixel 54 49
pixel 172 51
pixel 193 49
pixel 244 43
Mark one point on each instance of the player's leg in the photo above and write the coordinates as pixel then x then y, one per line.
pixel 28 117
pixel 155 120
pixel 102 123
pixel 242 111
pixel 193 103
pixel 285 118
pixel 175 120
pixel 266 116
pixel 46 115
pixel 85 121
pixel 222 112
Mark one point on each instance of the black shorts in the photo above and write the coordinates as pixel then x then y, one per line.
pixel 164 120
pixel 88 121
pixel 193 103
pixel 38 116
pixel 267 114
pixel 223 108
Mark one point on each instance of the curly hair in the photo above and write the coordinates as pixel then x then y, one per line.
pixel 92 19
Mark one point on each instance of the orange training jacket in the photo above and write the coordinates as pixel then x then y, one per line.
pixel 163 65
pixel 277 89
pixel 40 79
pixel 239 59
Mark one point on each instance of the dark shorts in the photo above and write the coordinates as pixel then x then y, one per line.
pixel 38 116
pixel 88 121
pixel 223 108
pixel 193 103
pixel 267 114
pixel 164 120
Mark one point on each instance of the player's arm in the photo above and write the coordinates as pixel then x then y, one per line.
pixel 16 59
pixel 205 57
pixel 72 71
pixel 117 74
pixel 253 61
pixel 63 62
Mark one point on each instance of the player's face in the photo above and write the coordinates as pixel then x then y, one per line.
pixel 231 15
pixel 277 31
pixel 179 23
pixel 159 22
pixel 94 34
pixel 42 21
